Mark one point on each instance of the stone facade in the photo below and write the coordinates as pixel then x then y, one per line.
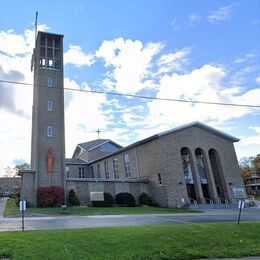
pixel 158 160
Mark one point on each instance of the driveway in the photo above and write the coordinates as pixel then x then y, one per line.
pixel 2 206
pixel 209 215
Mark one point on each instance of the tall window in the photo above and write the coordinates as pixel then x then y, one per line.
pixel 115 166
pixel 92 171
pixel 49 105
pixel 49 131
pixel 106 169
pixel 67 172
pixel 50 52
pixel 98 171
pixel 81 172
pixel 50 82
pixel 186 164
pixel 127 165
pixel 159 179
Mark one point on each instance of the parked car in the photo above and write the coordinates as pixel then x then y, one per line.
pixel 6 194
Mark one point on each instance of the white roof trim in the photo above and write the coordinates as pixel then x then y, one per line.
pixel 199 124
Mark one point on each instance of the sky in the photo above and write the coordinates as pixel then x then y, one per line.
pixel 202 50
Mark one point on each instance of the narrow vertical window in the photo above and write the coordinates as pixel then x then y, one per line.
pixel 115 166
pixel 159 179
pixel 127 165
pixel 67 172
pixel 49 105
pixel 49 131
pixel 81 172
pixel 92 171
pixel 50 82
pixel 98 171
pixel 106 169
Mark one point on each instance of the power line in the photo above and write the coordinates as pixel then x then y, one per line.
pixel 139 96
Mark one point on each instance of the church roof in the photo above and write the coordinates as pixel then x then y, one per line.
pixel 203 126
pixel 173 130
pixel 69 161
pixel 95 143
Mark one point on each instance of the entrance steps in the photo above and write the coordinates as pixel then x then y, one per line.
pixel 212 206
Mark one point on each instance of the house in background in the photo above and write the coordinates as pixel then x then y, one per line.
pixel 252 183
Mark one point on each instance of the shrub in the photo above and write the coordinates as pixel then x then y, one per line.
pixel 52 196
pixel 125 199
pixel 145 199
pixel 108 201
pixel 73 199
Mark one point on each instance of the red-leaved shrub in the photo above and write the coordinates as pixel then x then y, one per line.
pixel 52 196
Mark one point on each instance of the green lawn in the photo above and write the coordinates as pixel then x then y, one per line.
pixel 193 241
pixel 12 210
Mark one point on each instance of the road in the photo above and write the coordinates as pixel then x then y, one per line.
pixel 209 215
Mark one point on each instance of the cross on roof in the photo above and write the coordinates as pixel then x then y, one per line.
pixel 98 131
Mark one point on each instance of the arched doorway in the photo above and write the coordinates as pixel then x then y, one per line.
pixel 201 165
pixel 218 175
pixel 188 173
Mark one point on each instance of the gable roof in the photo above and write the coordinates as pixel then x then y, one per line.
pixel 173 130
pixel 88 145
pixel 202 126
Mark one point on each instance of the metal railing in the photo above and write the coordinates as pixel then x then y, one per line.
pixel 193 201
pixel 209 201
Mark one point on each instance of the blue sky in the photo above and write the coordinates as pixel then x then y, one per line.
pixel 194 50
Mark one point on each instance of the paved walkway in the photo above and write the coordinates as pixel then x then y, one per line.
pixel 61 222
pixel 2 206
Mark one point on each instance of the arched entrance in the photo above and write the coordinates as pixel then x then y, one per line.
pixel 218 175
pixel 188 173
pixel 201 165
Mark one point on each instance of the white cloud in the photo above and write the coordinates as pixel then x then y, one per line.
pixel 220 15
pixel 258 80
pixel 84 115
pixel 203 84
pixel 173 61
pixel 181 24
pixel 194 18
pixel 252 140
pixel 76 56
pixel 130 62
pixel 245 58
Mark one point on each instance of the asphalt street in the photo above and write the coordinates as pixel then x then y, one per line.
pixel 60 222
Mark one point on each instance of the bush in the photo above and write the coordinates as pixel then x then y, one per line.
pixel 125 199
pixel 50 196
pixel 73 199
pixel 108 201
pixel 145 199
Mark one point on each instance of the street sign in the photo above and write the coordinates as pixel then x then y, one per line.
pixel 241 204
pixel 22 205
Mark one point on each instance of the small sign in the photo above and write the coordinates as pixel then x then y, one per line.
pixel 97 196
pixel 241 204
pixel 239 193
pixel 22 205
pixel 182 200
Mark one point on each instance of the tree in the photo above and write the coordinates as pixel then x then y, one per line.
pixel 10 172
pixel 22 166
pixel 245 165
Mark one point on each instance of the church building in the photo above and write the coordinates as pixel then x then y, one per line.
pixel 190 164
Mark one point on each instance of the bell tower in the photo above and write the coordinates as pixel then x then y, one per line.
pixel 48 134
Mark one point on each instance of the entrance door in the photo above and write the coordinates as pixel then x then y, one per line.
pixel 205 191
pixel 191 192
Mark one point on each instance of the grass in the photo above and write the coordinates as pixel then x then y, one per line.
pixel 11 210
pixel 214 240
